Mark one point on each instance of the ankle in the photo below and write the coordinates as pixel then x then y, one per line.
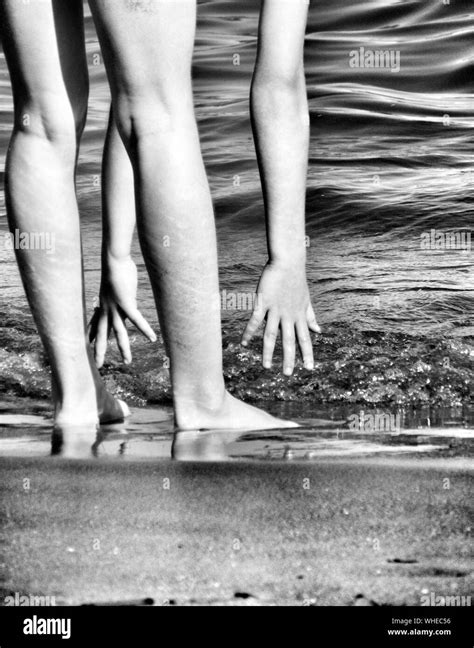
pixel 190 406
pixel 78 403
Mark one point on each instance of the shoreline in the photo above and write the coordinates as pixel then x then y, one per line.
pixel 363 531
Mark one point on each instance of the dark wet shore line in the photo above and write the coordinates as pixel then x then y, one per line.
pixel 346 532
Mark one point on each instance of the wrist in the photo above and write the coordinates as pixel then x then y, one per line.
pixel 294 260
pixel 288 248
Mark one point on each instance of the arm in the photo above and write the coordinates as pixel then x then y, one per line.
pixel 118 197
pixel 119 274
pixel 280 124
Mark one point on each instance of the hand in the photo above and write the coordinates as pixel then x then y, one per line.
pixel 118 301
pixel 283 300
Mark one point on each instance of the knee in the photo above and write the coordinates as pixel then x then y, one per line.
pixel 53 118
pixel 160 110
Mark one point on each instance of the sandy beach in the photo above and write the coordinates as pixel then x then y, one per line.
pixel 387 529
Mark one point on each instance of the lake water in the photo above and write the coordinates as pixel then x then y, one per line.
pixel 390 161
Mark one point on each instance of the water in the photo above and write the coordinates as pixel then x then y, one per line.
pixel 146 436
pixel 390 160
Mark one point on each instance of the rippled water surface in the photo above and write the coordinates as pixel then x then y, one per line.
pixel 390 160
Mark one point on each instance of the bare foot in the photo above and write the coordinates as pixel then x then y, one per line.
pixel 76 426
pixel 232 414
pixel 87 404
pixel 76 408
pixel 100 408
pixel 111 410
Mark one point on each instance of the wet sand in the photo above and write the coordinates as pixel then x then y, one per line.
pixel 357 530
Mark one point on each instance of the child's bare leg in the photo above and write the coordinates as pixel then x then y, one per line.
pixel 148 49
pixel 44 48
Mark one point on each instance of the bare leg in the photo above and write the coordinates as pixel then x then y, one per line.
pixel 44 48
pixel 148 48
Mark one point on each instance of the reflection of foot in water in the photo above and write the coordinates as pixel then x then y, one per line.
pixel 202 445
pixel 74 441
pixel 83 442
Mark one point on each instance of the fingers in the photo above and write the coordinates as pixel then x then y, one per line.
pixel 121 336
pixel 303 327
pixel 311 320
pixel 253 325
pixel 102 333
pixel 99 329
pixel 270 338
pixel 142 325
pixel 306 346
pixel 288 339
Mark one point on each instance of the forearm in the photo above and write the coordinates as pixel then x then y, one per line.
pixel 279 110
pixel 281 132
pixel 118 197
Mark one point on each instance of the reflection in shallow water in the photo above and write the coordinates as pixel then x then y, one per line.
pixel 75 442
pixel 148 435
pixel 306 444
pixel 204 445
pixel 154 440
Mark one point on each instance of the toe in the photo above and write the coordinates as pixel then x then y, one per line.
pixel 124 407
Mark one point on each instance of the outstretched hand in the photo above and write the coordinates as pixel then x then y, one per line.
pixel 118 302
pixel 283 300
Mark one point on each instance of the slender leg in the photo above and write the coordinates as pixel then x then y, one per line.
pixel 147 49
pixel 44 48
